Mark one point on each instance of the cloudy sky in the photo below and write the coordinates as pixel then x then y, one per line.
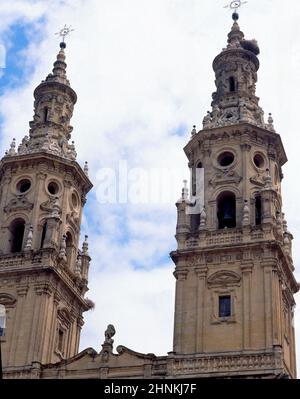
pixel 142 72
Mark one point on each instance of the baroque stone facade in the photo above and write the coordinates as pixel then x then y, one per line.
pixel 235 286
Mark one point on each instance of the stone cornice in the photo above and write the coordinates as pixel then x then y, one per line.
pixel 242 129
pixel 44 157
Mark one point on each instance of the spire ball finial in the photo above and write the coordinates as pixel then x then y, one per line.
pixel 235 16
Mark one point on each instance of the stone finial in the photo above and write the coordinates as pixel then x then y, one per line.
pixel 12 150
pixel 72 151
pixel 279 222
pixel 63 246
pixel 207 120
pixel 270 124
pixel 287 244
pixel 55 208
pixel 246 213
pixel 284 223
pixel 109 333
pixel 268 180
pixel 78 268
pixel 28 245
pixel 85 246
pixel 86 168
pixel 22 149
pixel 185 191
pixel 194 131
pixel 203 218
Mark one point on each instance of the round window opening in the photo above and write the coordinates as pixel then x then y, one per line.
pixel 226 158
pixel 23 185
pixel 74 200
pixel 259 161
pixel 53 188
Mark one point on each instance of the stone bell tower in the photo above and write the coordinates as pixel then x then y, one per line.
pixel 43 274
pixel 234 270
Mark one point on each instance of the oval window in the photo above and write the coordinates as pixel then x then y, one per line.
pixel 23 186
pixel 259 161
pixel 53 188
pixel 226 158
pixel 74 200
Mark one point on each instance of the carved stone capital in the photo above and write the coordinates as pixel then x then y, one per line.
pixel 181 275
pixel 247 266
pixel 80 322
pixel 22 290
pixel 43 289
pixel 41 176
pixel 267 263
pixel 57 298
pixel 201 272
pixel 68 183
pixel 246 147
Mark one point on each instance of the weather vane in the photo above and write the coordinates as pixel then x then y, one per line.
pixel 65 31
pixel 235 5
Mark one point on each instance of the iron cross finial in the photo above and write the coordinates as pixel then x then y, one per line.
pixel 65 31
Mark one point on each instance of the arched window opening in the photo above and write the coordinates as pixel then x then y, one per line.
pixel 232 84
pixel 46 112
pixel 258 210
pixel 17 230
pixel 197 177
pixel 44 231
pixel 69 247
pixel 195 222
pixel 226 210
pixel 60 340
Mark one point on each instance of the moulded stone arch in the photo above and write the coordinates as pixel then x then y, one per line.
pixel 231 189
pixel 14 216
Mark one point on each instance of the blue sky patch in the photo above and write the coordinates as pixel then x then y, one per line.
pixel 15 40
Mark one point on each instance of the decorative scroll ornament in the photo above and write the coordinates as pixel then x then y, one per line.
pixel 19 203
pixel 224 278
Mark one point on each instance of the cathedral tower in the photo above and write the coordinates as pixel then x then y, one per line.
pixel 234 270
pixel 43 274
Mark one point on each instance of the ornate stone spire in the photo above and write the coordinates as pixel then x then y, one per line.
pixel 235 99
pixel 50 130
pixel 59 68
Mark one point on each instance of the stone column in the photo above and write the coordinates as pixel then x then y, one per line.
pixel 18 320
pixel 4 230
pixel 276 302
pixel 246 147
pixel 181 276
pixel 201 274
pixel 51 347
pixel 246 267
pixel 267 266
pixel 40 179
pixel 44 292
pixel 51 233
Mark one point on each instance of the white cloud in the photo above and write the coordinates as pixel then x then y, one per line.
pixel 141 70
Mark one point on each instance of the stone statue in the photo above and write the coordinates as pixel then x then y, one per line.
pixel 109 333
pixel 207 120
